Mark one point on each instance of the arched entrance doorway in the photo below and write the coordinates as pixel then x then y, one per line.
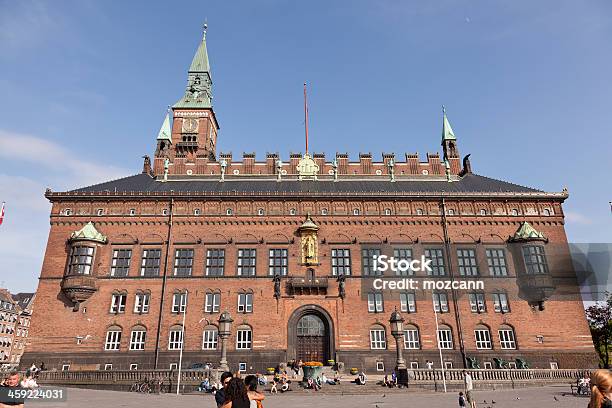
pixel 311 336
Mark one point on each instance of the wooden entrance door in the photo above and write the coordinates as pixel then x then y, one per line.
pixel 311 339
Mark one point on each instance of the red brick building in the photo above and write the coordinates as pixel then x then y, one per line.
pixel 287 248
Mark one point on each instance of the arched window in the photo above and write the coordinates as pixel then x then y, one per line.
pixel 482 334
pixel 483 211
pixel 387 211
pixel 546 212
pixel 507 339
pixel 67 212
pixel 378 339
pixel 514 212
pixel 197 211
pixel 133 211
pixel 445 337
pixel 175 338
pixel 210 338
pixel 292 211
pixel 244 338
pixel 113 338
pixel 451 211
pixel 165 211
pixel 310 325
pixel 324 211
pixel 260 211
pixel 355 211
pixel 412 339
pixel 138 338
pixel 419 211
pixel 228 211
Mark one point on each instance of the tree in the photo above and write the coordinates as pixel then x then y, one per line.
pixel 600 322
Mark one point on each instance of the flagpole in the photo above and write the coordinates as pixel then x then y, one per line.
pixel 438 342
pixel 178 381
pixel 306 116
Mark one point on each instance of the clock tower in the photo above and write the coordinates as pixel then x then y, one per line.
pixel 193 133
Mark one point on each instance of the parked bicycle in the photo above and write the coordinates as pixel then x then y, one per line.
pixel 147 386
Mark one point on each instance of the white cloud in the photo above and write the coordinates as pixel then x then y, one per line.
pixel 56 158
pixel 577 218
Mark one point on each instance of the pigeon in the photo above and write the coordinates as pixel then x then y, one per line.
pixel 484 402
pixel 518 398
pixel 384 395
pixel 555 398
pixel 493 402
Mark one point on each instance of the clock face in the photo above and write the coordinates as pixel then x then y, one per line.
pixel 190 125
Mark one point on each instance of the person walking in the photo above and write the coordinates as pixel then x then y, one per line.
pixel 601 389
pixel 469 387
pixel 236 394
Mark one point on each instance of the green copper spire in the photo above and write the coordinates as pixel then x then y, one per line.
pixel 165 132
pixel 199 80
pixel 447 130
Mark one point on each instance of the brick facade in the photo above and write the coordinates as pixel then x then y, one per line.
pixel 187 199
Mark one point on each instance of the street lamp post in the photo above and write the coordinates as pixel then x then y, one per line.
pixel 397 331
pixel 225 328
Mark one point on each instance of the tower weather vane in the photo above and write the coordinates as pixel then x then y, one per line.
pixel 306 116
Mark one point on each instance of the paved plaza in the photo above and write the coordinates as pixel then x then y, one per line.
pixel 520 398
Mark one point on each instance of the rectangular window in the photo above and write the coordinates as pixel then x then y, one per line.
pixel 242 367
pixel 179 302
pixel 175 340
pixel 445 339
pixel 113 340
pixel 341 261
pixel 377 339
pixel 137 340
pixel 477 303
pixel 215 261
pixel 535 259
pixel 414 365
pixel 150 262
pixel 245 303
pixel 375 303
pixel 133 367
pixel 367 261
pixel 81 259
pixel 212 303
pixel 496 259
pixel 500 303
pixel 403 254
pixel 141 303
pixel 436 255
pixel 173 366
pixel 108 366
pixel 488 365
pixel 448 365
pixel 120 264
pixel 380 366
pixel 483 339
pixel 407 302
pixel 440 301
pixel 118 302
pixel 278 262
pixel 466 258
pixel 411 339
pixel 244 339
pixel 506 339
pixel 210 340
pixel 183 262
pixel 65 367
pixel 247 259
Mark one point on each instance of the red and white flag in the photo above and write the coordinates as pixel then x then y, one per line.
pixel 2 214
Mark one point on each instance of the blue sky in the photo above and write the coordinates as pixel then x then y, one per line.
pixel 84 86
